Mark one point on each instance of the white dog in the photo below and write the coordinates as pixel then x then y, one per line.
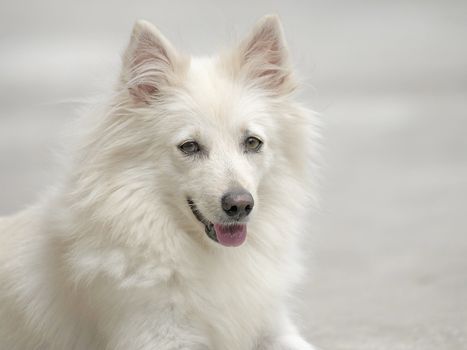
pixel 176 226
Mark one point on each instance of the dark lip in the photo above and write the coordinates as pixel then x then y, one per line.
pixel 208 225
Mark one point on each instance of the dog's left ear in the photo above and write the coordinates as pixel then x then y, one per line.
pixel 151 64
pixel 264 57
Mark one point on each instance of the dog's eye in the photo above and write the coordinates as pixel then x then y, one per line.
pixel 189 147
pixel 253 144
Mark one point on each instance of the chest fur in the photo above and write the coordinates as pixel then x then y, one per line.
pixel 236 299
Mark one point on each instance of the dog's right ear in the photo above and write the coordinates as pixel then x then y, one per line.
pixel 150 63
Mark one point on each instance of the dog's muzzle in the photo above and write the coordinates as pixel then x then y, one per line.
pixel 233 232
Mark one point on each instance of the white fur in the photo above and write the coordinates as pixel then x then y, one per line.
pixel 115 259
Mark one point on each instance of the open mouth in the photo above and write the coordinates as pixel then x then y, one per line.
pixel 229 235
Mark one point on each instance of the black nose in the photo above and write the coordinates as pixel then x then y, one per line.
pixel 238 204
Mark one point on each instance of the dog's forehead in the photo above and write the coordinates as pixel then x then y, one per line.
pixel 217 97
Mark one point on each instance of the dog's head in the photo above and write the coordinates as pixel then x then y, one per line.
pixel 216 130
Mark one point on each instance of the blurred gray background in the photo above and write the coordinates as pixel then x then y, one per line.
pixel 388 247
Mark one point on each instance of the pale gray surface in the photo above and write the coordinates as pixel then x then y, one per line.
pixel 388 261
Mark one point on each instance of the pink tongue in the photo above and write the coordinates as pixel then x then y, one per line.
pixel 230 235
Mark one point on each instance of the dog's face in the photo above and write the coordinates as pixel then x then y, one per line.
pixel 216 123
pixel 220 149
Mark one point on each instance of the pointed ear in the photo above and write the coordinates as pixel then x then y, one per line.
pixel 264 57
pixel 150 63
